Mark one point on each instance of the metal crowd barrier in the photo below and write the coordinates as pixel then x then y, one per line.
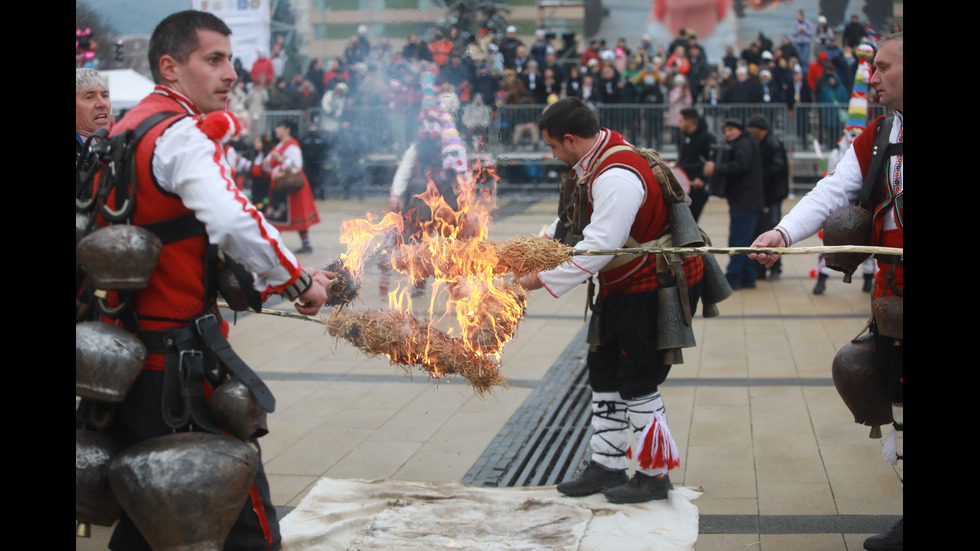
pixel 802 129
pixel 362 141
pixel 384 130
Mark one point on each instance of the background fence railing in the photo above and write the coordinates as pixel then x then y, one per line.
pixel 359 149
pixel 385 130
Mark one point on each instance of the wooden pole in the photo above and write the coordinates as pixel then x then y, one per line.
pixel 279 313
pixel 742 250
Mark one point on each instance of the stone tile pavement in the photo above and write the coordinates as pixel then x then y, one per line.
pixel 760 427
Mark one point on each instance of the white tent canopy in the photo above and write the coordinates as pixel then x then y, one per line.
pixel 126 87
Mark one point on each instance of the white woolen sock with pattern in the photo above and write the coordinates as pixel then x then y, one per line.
pixel 610 431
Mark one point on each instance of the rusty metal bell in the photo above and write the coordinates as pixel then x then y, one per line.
pixel 673 331
pixel 231 290
pixel 120 256
pixel 684 230
pixel 235 408
pixel 94 500
pixel 848 225
pixel 184 491
pixel 860 383
pixel 889 317
pixel 108 359
pixel 715 286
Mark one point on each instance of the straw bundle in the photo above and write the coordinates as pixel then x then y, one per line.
pixel 530 255
pixel 345 287
pixel 465 257
pixel 406 341
pixel 494 323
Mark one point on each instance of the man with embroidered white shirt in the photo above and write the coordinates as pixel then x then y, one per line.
pixel 615 194
pixel 625 204
pixel 878 187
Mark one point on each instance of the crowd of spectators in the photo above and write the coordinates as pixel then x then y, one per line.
pixel 366 98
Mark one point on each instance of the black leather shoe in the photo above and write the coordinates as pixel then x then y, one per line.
pixel 595 478
pixel 639 489
pixel 869 280
pixel 889 541
pixel 821 285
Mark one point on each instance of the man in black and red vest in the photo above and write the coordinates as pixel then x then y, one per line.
pixel 185 193
pixel 878 186
pixel 625 205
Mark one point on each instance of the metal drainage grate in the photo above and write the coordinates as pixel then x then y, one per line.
pixel 547 438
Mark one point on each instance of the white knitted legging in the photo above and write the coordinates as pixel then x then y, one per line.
pixel 612 417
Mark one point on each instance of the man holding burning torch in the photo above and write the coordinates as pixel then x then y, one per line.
pixel 621 200
pixel 185 195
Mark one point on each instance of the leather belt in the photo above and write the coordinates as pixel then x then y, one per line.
pixel 215 341
pixel 185 347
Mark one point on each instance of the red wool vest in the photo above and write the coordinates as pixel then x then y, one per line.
pixel 863 147
pixel 652 220
pixel 176 290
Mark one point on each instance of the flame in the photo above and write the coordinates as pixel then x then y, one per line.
pixel 460 258
pixel 468 294
pixel 358 234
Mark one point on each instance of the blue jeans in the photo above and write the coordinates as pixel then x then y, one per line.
pixel 803 48
pixel 741 228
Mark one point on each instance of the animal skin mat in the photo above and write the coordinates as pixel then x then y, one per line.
pixel 391 515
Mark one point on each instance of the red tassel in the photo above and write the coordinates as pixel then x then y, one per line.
pixel 220 125
pixel 657 447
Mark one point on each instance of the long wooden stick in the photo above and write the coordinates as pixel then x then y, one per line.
pixel 665 250
pixel 279 313
pixel 742 250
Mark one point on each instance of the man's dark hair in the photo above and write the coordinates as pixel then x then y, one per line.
pixel 691 114
pixel 291 125
pixel 176 36
pixel 569 116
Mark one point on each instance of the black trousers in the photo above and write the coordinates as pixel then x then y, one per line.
pixel 890 354
pixel 628 361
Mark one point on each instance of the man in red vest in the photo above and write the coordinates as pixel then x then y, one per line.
pixel 858 179
pixel 185 193
pixel 625 204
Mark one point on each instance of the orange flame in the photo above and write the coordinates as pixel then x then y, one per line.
pixel 358 234
pixel 466 292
